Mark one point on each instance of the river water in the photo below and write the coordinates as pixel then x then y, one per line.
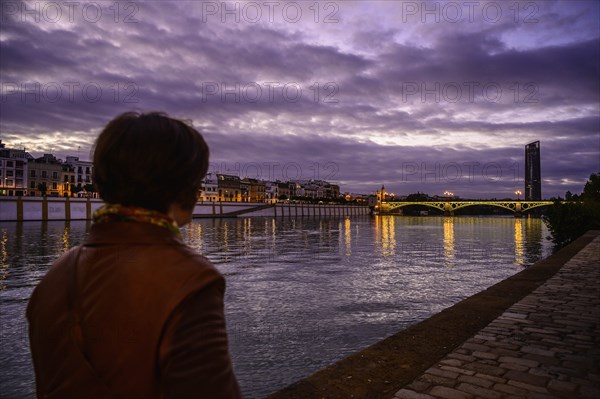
pixel 301 293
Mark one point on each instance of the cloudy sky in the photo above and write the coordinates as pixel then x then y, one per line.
pixel 419 96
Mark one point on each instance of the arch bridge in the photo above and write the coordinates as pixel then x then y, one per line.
pixel 451 206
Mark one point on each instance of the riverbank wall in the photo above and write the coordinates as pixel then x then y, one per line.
pixel 58 208
pixel 380 370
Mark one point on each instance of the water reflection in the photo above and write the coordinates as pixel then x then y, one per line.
pixel 519 243
pixel 534 236
pixel 247 235
pixel 449 240
pixel 385 233
pixel 3 259
pixel 194 236
pixel 312 290
pixel 348 236
pixel 66 244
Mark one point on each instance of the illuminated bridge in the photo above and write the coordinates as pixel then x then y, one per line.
pixel 449 207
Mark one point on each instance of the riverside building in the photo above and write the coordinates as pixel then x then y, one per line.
pixel 13 171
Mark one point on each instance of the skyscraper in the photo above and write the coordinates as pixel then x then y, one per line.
pixel 533 174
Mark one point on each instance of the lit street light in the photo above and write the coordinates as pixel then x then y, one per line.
pixel 518 193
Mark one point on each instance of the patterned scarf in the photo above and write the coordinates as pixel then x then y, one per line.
pixel 120 213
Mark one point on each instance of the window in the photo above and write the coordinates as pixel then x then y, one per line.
pixel 54 186
pixel 9 182
pixel 18 173
pixel 72 178
pixel 9 164
pixel 32 185
pixel 66 179
pixel 55 175
pixel 87 170
pixel 87 179
pixel 9 173
pixel 32 173
pixel 80 170
pixel 79 179
pixel 44 174
pixel 20 164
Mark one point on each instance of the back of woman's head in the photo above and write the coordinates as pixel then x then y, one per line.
pixel 149 160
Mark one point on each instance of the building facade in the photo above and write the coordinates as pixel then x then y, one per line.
pixel 23 175
pixel 13 171
pixel 253 190
pixel 69 188
pixel 229 188
pixel 45 176
pixel 82 171
pixel 210 188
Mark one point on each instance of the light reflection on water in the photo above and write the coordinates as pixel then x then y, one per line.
pixel 301 293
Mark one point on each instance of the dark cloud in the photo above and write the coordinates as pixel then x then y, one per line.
pixel 362 102
pixel 463 170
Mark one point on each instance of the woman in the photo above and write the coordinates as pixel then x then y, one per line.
pixel 133 312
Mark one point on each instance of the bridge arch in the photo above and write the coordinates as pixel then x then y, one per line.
pixel 451 206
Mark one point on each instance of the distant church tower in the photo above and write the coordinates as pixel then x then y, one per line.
pixel 382 198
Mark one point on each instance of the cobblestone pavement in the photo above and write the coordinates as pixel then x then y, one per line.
pixel 545 346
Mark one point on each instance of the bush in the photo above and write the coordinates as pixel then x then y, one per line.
pixel 569 220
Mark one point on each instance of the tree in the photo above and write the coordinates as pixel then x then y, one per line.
pixel 569 196
pixel 417 197
pixel 43 187
pixel 567 221
pixel 72 189
pixel 591 190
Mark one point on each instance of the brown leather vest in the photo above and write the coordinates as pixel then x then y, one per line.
pixel 99 316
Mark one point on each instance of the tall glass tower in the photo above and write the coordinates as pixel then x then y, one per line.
pixel 533 174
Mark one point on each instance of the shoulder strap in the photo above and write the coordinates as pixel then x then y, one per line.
pixel 74 307
pixel 97 386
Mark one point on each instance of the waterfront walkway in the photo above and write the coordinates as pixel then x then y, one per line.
pixel 547 345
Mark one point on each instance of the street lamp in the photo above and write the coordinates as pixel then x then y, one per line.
pixel 518 193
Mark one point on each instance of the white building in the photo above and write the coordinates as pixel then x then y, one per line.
pixel 13 171
pixel 210 188
pixel 82 171
pixel 271 191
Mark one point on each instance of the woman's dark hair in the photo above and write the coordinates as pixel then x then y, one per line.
pixel 149 160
